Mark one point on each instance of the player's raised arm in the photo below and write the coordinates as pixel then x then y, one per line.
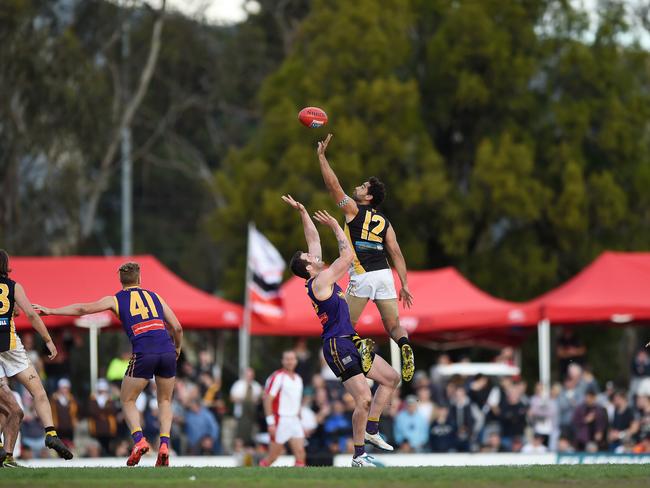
pixel 37 323
pixel 396 256
pixel 106 303
pixel 345 203
pixel 174 324
pixel 339 267
pixel 311 233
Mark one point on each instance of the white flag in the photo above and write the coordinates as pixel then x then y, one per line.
pixel 267 267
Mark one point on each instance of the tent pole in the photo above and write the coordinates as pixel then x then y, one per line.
pixel 544 353
pixel 395 359
pixel 244 330
pixel 93 333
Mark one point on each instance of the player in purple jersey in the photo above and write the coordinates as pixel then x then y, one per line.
pixel 339 350
pixel 145 318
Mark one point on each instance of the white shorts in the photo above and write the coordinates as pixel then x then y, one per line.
pixel 288 428
pixel 14 361
pixel 375 285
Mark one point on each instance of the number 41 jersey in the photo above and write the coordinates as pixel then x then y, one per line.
pixel 143 320
pixel 366 232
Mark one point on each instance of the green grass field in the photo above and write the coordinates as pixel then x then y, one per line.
pixel 629 476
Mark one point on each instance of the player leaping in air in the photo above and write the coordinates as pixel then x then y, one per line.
pixel 339 350
pixel 372 238
pixel 145 317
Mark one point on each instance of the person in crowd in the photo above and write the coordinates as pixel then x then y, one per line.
pixel 338 428
pixel 305 368
pixel 588 379
pixel 569 349
pixel 624 425
pixel 643 416
pixel 640 370
pixel 438 380
pixel 65 411
pixel 570 397
pixel 206 365
pixel 425 406
pixel 246 394
pixel 467 418
pixel 411 427
pixel 564 445
pixel 202 429
pixel 513 418
pixel 210 386
pixel 543 414
pixel 590 421
pixel 102 416
pixel 479 391
pixel 535 446
pixel 506 356
pixel 118 366
pixel 442 436
pixel 492 442
pixel 308 419
pixel 322 409
pixel 643 447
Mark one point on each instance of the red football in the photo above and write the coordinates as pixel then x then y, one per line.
pixel 312 117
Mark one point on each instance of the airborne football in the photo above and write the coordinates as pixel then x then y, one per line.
pixel 312 117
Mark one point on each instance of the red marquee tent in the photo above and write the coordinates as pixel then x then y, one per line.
pixel 57 281
pixel 614 288
pixel 446 305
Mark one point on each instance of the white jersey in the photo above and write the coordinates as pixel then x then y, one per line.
pixel 287 390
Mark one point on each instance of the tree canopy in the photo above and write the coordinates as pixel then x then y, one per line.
pixel 513 137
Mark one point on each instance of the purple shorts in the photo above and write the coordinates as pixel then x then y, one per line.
pixel 342 357
pixel 148 365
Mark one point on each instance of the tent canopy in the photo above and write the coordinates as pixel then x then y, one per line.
pixel 614 288
pixel 58 281
pixel 444 303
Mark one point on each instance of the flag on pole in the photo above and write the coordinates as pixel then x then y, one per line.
pixel 266 268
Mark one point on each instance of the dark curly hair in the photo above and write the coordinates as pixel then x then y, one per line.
pixel 4 264
pixel 378 191
pixel 299 266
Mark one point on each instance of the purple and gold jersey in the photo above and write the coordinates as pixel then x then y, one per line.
pixel 333 312
pixel 143 320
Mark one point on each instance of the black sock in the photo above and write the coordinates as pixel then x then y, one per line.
pixel 50 430
pixel 402 341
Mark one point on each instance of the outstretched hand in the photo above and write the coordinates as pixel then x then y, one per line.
pixel 324 218
pixel 40 309
pixel 322 145
pixel 290 201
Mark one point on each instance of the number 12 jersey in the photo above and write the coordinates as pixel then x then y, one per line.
pixel 367 232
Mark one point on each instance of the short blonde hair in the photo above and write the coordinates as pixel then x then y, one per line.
pixel 130 273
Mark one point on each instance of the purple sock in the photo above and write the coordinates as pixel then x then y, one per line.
pixel 372 427
pixel 137 436
pixel 164 439
pixel 359 450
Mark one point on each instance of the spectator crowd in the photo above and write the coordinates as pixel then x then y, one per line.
pixel 435 413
